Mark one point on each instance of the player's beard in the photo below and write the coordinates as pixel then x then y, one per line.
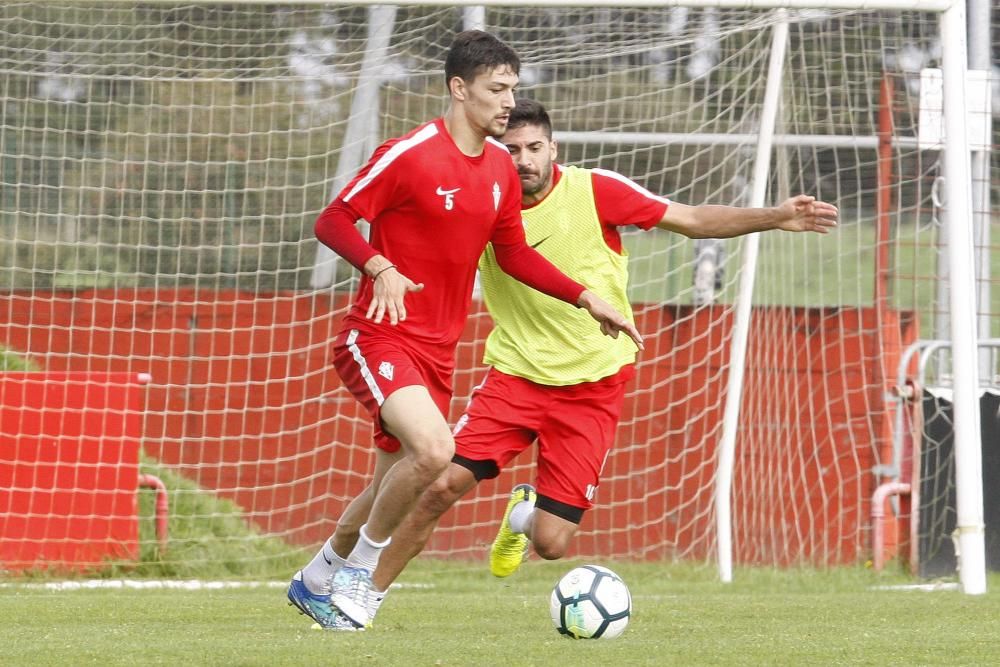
pixel 536 185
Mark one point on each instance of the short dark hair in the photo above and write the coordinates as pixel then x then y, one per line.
pixel 529 112
pixel 474 52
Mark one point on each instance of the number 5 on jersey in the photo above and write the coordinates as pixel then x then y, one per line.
pixel 449 197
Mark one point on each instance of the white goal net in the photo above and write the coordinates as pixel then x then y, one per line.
pixel 161 168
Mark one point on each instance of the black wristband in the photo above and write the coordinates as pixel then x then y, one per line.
pixel 382 270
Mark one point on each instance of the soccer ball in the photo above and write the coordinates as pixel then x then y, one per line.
pixel 590 602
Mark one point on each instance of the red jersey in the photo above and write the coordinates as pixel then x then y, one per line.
pixel 432 211
pixel 619 201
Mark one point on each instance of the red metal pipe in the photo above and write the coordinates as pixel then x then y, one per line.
pixel 878 513
pixel 162 507
pixel 883 199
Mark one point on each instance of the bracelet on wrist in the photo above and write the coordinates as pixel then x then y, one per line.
pixel 382 270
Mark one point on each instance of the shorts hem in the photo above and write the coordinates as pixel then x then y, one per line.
pixel 560 509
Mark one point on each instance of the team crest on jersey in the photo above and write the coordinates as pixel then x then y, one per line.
pixel 496 196
pixel 385 369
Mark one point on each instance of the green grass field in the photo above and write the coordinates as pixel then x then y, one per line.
pixel 457 614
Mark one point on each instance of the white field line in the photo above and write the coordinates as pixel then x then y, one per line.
pixel 939 586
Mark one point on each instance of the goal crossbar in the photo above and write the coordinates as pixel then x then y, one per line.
pixel 895 5
pixel 719 139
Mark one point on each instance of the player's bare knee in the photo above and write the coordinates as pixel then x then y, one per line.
pixel 549 549
pixel 432 460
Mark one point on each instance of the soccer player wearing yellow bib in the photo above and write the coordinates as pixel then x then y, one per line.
pixel 553 378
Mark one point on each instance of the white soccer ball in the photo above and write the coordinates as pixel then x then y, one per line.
pixel 590 602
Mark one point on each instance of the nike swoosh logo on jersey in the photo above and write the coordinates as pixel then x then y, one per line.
pixel 444 192
pixel 535 245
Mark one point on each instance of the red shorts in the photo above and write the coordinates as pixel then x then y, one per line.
pixel 373 366
pixel 575 427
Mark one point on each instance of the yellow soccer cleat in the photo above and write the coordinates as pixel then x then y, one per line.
pixel 507 552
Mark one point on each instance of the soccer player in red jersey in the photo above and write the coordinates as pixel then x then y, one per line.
pixel 434 197
pixel 550 379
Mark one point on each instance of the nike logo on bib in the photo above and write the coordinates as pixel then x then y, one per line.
pixel 535 245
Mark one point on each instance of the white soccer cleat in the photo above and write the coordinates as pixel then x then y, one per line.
pixel 351 590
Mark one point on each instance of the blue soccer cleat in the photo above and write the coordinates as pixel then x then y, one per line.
pixel 318 607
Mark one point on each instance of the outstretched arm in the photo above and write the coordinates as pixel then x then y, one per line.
pixel 802 213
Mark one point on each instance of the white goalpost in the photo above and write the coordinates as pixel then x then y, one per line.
pixel 734 391
pixel 162 165
pixel 968 455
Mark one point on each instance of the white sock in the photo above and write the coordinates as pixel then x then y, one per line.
pixel 375 601
pixel 320 570
pixel 366 552
pixel 521 516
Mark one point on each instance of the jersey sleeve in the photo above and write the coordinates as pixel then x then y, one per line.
pixel 528 266
pixel 335 229
pixel 621 201
pixel 374 187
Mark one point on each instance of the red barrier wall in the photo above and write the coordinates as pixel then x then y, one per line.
pixel 243 399
pixel 69 468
